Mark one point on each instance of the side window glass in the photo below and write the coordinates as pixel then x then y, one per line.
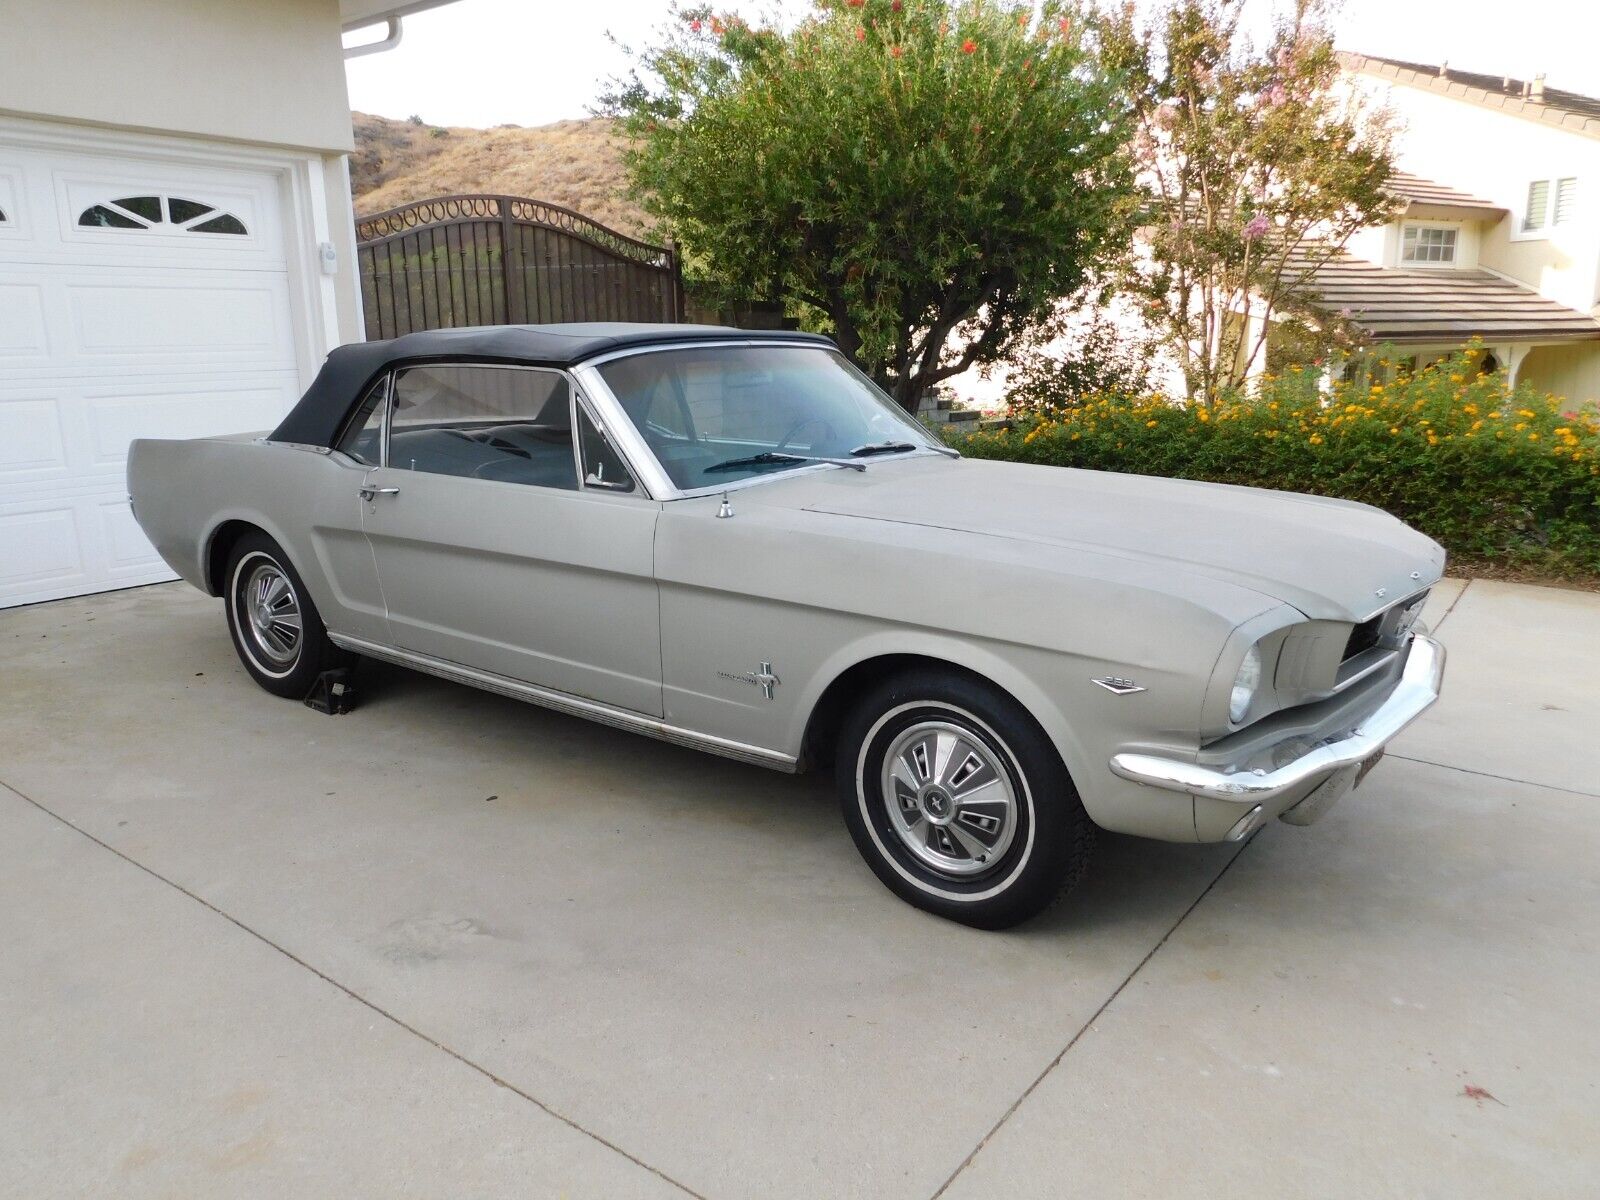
pixel 507 425
pixel 363 437
pixel 602 465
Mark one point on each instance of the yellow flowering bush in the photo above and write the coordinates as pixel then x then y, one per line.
pixel 1503 478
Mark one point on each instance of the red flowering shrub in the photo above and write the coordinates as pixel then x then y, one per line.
pixel 925 203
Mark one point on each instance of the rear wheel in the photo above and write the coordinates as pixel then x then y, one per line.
pixel 276 629
pixel 958 801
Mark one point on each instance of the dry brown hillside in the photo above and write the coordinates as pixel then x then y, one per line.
pixel 577 164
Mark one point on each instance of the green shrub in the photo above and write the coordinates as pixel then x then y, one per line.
pixel 1504 480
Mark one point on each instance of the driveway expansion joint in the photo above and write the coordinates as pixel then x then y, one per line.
pixel 1533 783
pixel 1089 1024
pixel 358 997
pixel 1465 587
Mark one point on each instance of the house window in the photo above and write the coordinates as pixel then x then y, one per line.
pixel 2 216
pixel 1550 202
pixel 151 212
pixel 1428 245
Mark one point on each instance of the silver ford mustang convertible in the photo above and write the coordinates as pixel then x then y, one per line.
pixel 734 541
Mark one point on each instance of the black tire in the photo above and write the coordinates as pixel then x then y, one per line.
pixel 255 558
pixel 1051 836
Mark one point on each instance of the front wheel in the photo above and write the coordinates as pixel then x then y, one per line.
pixel 958 801
pixel 276 628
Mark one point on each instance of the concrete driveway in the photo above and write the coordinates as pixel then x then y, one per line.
pixel 450 946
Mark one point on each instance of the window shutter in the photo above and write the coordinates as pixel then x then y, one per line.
pixel 1566 201
pixel 1538 202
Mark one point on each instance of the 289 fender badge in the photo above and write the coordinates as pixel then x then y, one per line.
pixel 763 679
pixel 1118 686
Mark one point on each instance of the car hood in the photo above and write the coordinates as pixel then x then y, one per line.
pixel 1331 559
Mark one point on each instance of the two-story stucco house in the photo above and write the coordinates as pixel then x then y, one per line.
pixel 1499 236
pixel 176 250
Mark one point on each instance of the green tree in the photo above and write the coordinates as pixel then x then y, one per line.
pixel 923 179
pixel 1256 166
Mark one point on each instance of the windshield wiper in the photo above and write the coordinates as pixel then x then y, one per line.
pixel 772 456
pixel 890 447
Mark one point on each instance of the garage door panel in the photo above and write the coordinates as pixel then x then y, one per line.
pixel 199 410
pixel 32 443
pixel 115 327
pixel 40 548
pixel 176 320
pixel 13 220
pixel 22 323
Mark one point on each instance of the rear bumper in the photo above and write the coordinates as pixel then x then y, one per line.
pixel 1417 689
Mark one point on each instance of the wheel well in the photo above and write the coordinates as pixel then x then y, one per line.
pixel 223 540
pixel 822 730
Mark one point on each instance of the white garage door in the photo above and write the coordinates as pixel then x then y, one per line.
pixel 137 299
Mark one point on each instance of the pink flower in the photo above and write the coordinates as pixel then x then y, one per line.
pixel 861 34
pixel 1256 226
pixel 895 51
pixel 968 46
pixel 1274 96
pixel 694 26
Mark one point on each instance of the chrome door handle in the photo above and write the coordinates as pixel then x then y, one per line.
pixel 372 493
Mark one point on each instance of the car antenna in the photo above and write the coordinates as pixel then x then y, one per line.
pixel 726 510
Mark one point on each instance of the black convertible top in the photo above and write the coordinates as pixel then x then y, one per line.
pixel 347 372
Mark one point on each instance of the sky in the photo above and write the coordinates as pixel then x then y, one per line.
pixel 529 62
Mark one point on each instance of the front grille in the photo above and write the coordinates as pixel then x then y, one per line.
pixel 1363 637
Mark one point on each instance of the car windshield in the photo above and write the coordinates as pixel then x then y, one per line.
pixel 716 414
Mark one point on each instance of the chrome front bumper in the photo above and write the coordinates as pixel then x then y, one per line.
pixel 1418 688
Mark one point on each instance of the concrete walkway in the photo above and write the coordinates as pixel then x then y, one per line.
pixel 451 946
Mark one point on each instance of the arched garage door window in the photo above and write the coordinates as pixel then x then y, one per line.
pixel 149 212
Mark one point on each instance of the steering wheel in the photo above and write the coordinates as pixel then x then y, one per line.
pixel 802 423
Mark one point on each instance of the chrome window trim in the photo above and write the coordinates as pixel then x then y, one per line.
pixel 574 390
pixel 388 416
pixel 659 484
pixel 306 446
pixel 586 407
pixel 625 439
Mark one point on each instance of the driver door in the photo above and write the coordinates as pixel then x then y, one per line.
pixel 491 550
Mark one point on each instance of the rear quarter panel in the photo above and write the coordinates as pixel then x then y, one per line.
pixel 184 492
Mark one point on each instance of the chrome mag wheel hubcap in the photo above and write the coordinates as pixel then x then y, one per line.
pixel 273 612
pixel 948 798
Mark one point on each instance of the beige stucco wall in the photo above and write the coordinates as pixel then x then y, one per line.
pixel 1493 155
pixel 1571 371
pixel 251 70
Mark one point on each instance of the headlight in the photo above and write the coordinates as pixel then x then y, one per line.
pixel 1245 684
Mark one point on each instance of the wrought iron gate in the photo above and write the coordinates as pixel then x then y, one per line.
pixel 507 260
